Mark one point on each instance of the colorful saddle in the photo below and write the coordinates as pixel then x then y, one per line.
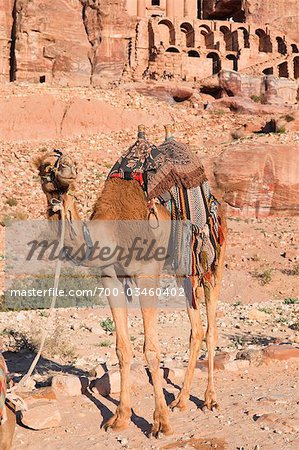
pixel 175 176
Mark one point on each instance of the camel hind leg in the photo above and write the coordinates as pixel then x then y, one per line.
pixel 152 355
pixel 211 299
pixel 196 337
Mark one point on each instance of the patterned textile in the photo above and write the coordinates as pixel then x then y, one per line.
pixel 170 164
pixel 138 160
pixel 175 165
pixel 200 208
pixel 3 386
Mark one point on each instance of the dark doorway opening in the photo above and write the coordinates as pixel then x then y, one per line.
pixel 283 70
pixel 268 71
pixel 12 56
pixel 199 9
pixel 216 65
pixel 42 79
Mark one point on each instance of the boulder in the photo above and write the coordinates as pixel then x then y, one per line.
pixel 43 412
pixel 108 384
pixel 219 362
pixel 280 352
pixel 166 92
pixel 41 416
pixel 230 82
pixel 66 385
pixel 279 90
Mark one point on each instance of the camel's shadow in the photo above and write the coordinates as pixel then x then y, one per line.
pixel 18 364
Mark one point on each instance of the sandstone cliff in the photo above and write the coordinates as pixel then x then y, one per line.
pixel 6 25
pixel 63 41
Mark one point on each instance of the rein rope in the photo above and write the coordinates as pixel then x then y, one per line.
pixel 57 206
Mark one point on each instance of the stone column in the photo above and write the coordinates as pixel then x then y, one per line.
pixel 187 8
pixel 170 8
pixel 141 8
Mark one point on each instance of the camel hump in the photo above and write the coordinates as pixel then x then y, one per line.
pixel 121 200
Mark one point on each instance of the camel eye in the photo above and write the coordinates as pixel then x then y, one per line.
pixel 47 167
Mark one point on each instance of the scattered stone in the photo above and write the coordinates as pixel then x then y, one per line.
pixel 236 365
pixel 255 357
pixel 219 362
pixel 41 417
pixel 29 385
pixel 280 352
pixel 108 384
pixel 276 399
pixel 255 314
pixel 98 371
pixel 122 440
pixel 42 410
pixel 276 423
pixel 66 385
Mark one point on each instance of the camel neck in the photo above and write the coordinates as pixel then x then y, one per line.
pixel 69 202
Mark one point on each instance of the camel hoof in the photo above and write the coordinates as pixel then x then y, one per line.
pixel 161 425
pixel 116 423
pixel 178 403
pixel 211 406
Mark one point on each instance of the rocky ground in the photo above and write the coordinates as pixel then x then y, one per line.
pixel 256 382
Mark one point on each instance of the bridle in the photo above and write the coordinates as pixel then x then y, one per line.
pixel 51 172
pixel 57 204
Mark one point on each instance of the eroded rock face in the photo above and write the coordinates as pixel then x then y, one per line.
pixel 279 90
pixel 51 42
pixel 6 21
pixel 268 88
pixel 259 181
pixel 69 42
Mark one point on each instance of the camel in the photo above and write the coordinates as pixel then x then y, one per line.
pixel 125 200
pixel 7 410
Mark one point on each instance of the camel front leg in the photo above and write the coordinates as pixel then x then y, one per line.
pixel 120 420
pixel 152 356
pixel 196 337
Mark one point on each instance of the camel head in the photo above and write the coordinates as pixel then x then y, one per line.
pixel 58 172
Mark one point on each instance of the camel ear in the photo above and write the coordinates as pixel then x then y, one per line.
pixel 37 162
